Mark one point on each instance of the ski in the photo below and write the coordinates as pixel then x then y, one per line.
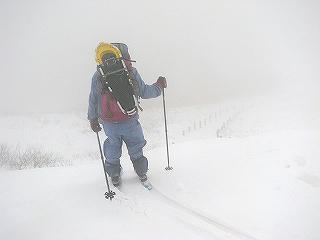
pixel 147 185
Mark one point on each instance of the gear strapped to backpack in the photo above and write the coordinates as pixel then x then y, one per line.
pixel 120 91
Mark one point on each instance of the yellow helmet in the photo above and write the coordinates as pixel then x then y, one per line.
pixel 104 48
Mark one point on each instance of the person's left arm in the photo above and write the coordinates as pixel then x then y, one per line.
pixel 146 91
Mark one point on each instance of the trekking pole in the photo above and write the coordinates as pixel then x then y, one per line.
pixel 166 129
pixel 110 194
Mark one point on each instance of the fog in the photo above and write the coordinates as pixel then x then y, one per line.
pixel 210 51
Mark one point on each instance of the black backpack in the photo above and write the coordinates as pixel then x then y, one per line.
pixel 116 76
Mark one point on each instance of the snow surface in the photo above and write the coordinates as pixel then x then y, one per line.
pixel 241 170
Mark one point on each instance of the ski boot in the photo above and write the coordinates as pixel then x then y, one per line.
pixel 116 180
pixel 143 177
pixel 144 181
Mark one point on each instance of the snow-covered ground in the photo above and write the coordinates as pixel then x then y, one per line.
pixel 242 170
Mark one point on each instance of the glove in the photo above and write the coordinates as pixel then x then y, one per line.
pixel 161 82
pixel 94 124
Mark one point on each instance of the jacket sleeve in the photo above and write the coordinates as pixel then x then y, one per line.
pixel 146 91
pixel 93 99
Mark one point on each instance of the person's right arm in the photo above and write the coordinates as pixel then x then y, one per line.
pixel 93 98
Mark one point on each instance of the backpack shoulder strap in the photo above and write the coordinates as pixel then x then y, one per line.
pixel 133 81
pixel 135 85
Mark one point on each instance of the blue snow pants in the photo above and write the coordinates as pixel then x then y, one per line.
pixel 129 132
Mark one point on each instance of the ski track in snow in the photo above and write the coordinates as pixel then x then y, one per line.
pixel 215 223
pixel 224 231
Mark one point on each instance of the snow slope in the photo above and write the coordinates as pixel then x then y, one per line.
pixel 241 171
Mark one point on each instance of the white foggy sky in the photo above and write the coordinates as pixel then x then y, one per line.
pixel 208 50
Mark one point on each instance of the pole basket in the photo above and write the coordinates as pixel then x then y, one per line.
pixel 109 195
pixel 169 168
